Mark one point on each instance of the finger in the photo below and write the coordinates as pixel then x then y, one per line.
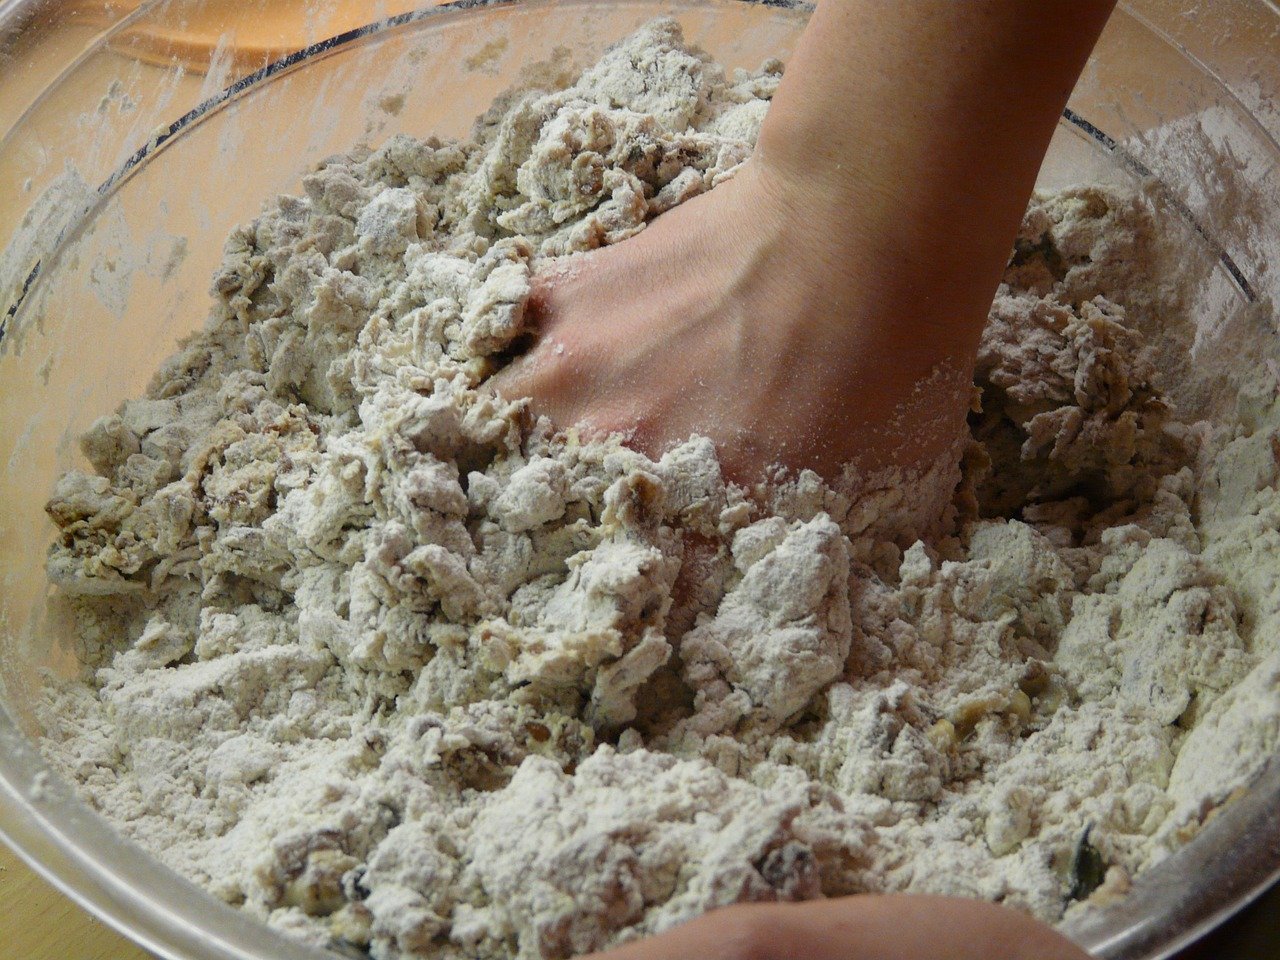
pixel 518 379
pixel 550 289
pixel 896 927
pixel 523 376
pixel 734 933
pixel 917 927
pixel 538 307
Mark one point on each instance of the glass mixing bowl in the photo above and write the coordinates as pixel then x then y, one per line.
pixel 134 135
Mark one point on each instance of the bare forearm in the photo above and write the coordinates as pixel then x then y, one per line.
pixel 930 80
pixel 920 126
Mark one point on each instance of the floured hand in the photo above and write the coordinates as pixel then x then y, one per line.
pixel 733 318
pixel 824 306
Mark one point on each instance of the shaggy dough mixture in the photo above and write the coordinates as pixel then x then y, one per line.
pixel 373 657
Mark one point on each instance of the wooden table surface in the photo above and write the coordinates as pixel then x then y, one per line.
pixel 38 923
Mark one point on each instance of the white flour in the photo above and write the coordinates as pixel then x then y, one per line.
pixel 374 658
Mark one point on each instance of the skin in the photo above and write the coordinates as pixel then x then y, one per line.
pixel 858 928
pixel 791 314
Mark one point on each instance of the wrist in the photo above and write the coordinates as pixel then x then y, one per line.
pixel 854 273
pixel 819 246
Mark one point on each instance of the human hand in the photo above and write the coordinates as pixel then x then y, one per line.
pixel 899 927
pixel 734 316
pixel 825 305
